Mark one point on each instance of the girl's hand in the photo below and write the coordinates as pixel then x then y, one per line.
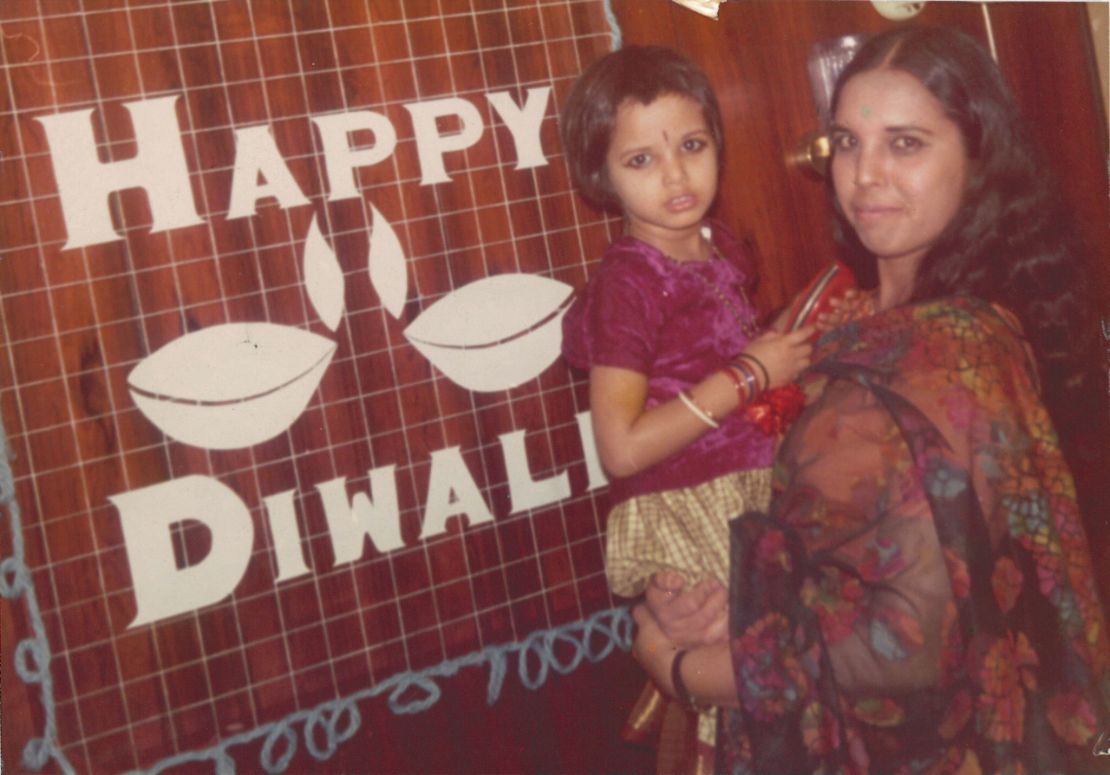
pixel 852 305
pixel 783 355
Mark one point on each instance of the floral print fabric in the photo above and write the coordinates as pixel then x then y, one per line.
pixel 920 597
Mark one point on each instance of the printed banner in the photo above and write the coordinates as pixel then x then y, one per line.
pixel 282 289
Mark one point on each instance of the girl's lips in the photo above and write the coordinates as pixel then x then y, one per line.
pixel 681 203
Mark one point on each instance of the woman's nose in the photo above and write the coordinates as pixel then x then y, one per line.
pixel 869 167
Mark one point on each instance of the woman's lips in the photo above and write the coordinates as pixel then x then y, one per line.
pixel 872 213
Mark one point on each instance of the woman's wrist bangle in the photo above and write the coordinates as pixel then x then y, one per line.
pixel 680 691
pixel 762 368
pixel 698 410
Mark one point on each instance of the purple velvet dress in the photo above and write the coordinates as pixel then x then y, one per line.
pixel 676 323
pixel 648 313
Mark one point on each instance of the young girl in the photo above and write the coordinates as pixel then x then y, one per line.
pixel 667 329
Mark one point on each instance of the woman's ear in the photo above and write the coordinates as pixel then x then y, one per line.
pixel 974 182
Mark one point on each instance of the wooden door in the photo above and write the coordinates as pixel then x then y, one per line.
pixel 755 54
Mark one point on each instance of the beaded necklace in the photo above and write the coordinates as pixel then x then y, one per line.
pixel 749 327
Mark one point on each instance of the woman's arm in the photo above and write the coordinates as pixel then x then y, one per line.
pixel 706 670
pixel 892 645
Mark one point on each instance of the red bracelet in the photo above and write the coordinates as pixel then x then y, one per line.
pixel 766 377
pixel 742 393
pixel 776 409
pixel 748 374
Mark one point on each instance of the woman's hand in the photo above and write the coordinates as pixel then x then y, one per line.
pixel 852 305
pixel 706 670
pixel 653 649
pixel 689 618
pixel 784 356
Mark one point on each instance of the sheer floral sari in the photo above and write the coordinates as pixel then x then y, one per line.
pixel 920 597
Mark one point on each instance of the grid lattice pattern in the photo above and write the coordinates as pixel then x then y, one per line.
pixel 77 321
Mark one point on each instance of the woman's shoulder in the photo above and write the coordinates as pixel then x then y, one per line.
pixel 945 333
pixel 964 312
pixel 996 330
pixel 959 337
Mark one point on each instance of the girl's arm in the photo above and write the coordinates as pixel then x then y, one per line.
pixel 631 439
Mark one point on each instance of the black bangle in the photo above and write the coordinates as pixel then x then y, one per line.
pixel 762 368
pixel 680 690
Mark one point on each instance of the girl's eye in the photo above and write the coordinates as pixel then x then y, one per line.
pixel 637 161
pixel 694 144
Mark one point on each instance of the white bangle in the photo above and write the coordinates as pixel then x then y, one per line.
pixel 697 410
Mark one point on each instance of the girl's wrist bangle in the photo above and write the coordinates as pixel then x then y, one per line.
pixel 748 374
pixel 762 368
pixel 698 410
pixel 739 381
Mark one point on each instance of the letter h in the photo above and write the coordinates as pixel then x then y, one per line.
pixel 84 182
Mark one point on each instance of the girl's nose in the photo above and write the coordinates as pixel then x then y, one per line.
pixel 674 171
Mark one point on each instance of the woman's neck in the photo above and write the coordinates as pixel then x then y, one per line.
pixel 896 281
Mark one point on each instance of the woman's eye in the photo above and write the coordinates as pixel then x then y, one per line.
pixel 694 144
pixel 906 143
pixel 637 161
pixel 842 141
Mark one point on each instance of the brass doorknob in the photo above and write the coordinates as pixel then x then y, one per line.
pixel 811 155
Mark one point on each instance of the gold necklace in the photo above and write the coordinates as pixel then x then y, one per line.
pixel 749 327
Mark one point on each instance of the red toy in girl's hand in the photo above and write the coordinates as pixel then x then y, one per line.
pixel 830 299
pixel 816 299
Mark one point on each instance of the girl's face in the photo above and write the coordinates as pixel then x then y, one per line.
pixel 899 164
pixel 662 164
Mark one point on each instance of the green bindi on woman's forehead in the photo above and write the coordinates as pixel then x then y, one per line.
pixel 865 111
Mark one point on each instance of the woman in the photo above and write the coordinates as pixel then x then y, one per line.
pixel 920 597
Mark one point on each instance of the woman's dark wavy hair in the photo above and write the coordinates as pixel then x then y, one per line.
pixel 639 73
pixel 1013 241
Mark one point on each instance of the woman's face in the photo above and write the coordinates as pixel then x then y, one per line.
pixel 899 164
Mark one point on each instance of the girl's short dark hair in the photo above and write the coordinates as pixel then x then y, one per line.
pixel 640 73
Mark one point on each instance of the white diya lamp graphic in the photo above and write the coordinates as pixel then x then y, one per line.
pixel 494 333
pixel 239 384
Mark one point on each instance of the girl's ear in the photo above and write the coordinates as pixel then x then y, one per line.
pixel 600 190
